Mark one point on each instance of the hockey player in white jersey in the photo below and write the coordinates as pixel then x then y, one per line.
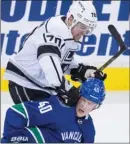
pixel 37 70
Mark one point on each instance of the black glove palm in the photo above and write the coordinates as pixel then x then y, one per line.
pixel 68 96
pixel 100 75
pixel 83 72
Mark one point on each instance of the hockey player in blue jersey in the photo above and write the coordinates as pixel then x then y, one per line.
pixel 51 121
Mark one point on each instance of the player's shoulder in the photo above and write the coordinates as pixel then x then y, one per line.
pixel 36 104
pixel 89 125
pixel 89 120
pixel 56 25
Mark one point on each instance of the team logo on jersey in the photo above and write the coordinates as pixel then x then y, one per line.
pixel 69 56
pixel 79 121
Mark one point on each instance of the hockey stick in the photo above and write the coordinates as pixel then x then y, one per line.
pixel 122 45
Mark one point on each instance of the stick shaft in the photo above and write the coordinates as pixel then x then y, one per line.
pixel 112 59
pixel 122 45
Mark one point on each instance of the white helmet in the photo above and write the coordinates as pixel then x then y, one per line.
pixel 84 12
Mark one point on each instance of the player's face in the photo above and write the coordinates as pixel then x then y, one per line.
pixel 84 107
pixel 79 30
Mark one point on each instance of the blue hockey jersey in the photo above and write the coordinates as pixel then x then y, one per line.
pixel 46 121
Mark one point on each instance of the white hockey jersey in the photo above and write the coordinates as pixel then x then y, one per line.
pixel 46 55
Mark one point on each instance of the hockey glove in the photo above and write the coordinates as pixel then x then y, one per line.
pixel 100 75
pixel 83 72
pixel 68 94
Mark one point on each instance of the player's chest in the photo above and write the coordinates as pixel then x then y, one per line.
pixel 70 131
pixel 66 120
pixel 68 51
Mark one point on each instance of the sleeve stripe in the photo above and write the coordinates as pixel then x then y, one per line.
pixel 40 134
pixel 26 113
pixel 56 69
pixel 17 111
pixel 18 94
pixel 19 108
pixel 48 54
pixel 36 133
pixel 48 49
pixel 32 134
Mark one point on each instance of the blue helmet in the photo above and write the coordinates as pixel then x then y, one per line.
pixel 93 89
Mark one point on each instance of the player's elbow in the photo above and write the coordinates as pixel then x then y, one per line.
pixel 14 119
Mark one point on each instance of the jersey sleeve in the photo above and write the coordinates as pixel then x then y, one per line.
pixel 25 119
pixel 49 57
pixel 24 135
pixel 29 114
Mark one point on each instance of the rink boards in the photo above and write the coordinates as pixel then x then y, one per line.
pixel 18 18
pixel 118 79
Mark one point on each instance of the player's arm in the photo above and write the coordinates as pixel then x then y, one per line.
pixel 24 135
pixel 28 114
pixel 21 117
pixel 82 72
pixel 49 57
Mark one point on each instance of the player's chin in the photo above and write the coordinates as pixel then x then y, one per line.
pixel 77 38
pixel 80 113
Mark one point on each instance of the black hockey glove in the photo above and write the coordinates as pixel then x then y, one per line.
pixel 100 75
pixel 83 72
pixel 68 94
